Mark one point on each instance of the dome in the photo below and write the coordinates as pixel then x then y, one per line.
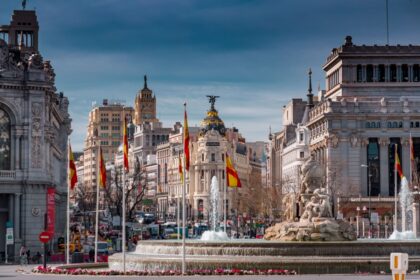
pixel 212 120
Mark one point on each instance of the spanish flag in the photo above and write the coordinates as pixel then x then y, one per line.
pixel 125 144
pixel 181 174
pixel 186 140
pixel 232 178
pixel 72 170
pixel 102 170
pixel 398 163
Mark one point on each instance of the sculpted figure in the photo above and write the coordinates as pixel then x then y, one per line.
pixel 289 201
pixel 312 209
pixel 325 204
pixel 312 174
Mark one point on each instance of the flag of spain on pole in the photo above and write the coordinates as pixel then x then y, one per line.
pixel 232 178
pixel 125 144
pixel 181 174
pixel 72 170
pixel 186 140
pixel 102 170
pixel 398 163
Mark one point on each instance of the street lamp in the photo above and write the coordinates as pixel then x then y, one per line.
pixel 369 194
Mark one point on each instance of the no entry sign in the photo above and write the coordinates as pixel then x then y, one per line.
pixel 44 236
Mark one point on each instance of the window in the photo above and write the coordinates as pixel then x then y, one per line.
pixel 369 73
pixel 213 157
pixel 359 73
pixel 393 72
pixel 5 150
pixel 381 73
pixel 223 174
pixel 104 127
pixel 301 136
pixel 202 174
pixel 373 172
pixel 116 128
pixel 404 70
pixel 416 73
pixel 302 154
pixel 104 134
pixel 223 157
pixel 104 143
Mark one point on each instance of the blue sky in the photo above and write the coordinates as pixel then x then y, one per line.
pixel 253 53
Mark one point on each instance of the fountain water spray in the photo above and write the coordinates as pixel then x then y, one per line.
pixel 213 234
pixel 406 201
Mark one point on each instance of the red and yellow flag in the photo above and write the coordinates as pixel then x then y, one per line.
pixel 186 140
pixel 125 144
pixel 232 178
pixel 102 170
pixel 72 170
pixel 398 163
pixel 181 174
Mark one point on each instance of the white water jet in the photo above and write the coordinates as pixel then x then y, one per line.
pixel 213 234
pixel 406 201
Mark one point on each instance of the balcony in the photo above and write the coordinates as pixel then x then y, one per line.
pixel 7 174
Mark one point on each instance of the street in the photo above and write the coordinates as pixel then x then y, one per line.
pixel 18 272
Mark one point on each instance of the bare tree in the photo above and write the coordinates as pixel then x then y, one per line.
pixel 134 192
pixel 85 199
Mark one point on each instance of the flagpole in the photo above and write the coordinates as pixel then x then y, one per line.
pixel 97 205
pixel 395 186
pixel 68 204
pixel 224 202
pixel 411 161
pixel 123 188
pixel 183 202
pixel 178 210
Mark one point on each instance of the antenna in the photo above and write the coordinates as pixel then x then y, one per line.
pixel 387 22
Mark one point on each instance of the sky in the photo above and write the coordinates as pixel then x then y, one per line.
pixel 254 54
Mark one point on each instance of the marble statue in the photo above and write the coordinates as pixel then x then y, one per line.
pixel 316 222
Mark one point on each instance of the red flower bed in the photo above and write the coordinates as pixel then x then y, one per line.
pixel 218 271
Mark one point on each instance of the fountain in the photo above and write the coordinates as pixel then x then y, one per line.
pixel 406 201
pixel 323 249
pixel 214 234
pixel 316 222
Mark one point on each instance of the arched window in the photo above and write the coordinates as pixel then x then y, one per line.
pixel 368 125
pixel 373 125
pixel 5 149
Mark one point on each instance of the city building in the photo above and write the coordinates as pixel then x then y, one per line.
pixel 34 128
pixel 368 113
pixel 105 130
pixel 145 106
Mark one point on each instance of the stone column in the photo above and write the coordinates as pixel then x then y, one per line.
pixel 11 210
pixel 364 73
pixel 384 169
pixel 399 73
pixel 416 218
pixel 364 171
pixel 375 73
pixel 410 72
pixel 405 160
pixel 387 73
pixel 17 214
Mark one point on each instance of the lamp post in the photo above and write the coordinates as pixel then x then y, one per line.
pixel 358 221
pixel 369 194
pixel 363 224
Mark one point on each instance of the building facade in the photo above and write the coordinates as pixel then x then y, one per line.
pixel 367 114
pixel 34 128
pixel 105 130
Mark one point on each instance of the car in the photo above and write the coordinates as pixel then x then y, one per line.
pixel 103 248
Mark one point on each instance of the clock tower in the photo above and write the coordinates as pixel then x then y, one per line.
pixel 145 105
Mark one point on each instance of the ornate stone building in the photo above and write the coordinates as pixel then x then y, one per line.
pixel 34 127
pixel 369 110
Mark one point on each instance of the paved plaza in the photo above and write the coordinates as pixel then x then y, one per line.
pixel 18 272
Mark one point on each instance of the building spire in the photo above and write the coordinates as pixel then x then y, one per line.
pixel 145 82
pixel 23 4
pixel 310 96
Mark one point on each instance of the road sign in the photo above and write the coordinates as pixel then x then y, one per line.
pixel 44 236
pixel 9 236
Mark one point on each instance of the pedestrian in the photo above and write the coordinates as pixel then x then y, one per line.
pixel 22 255
pixel 91 255
pixel 28 256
